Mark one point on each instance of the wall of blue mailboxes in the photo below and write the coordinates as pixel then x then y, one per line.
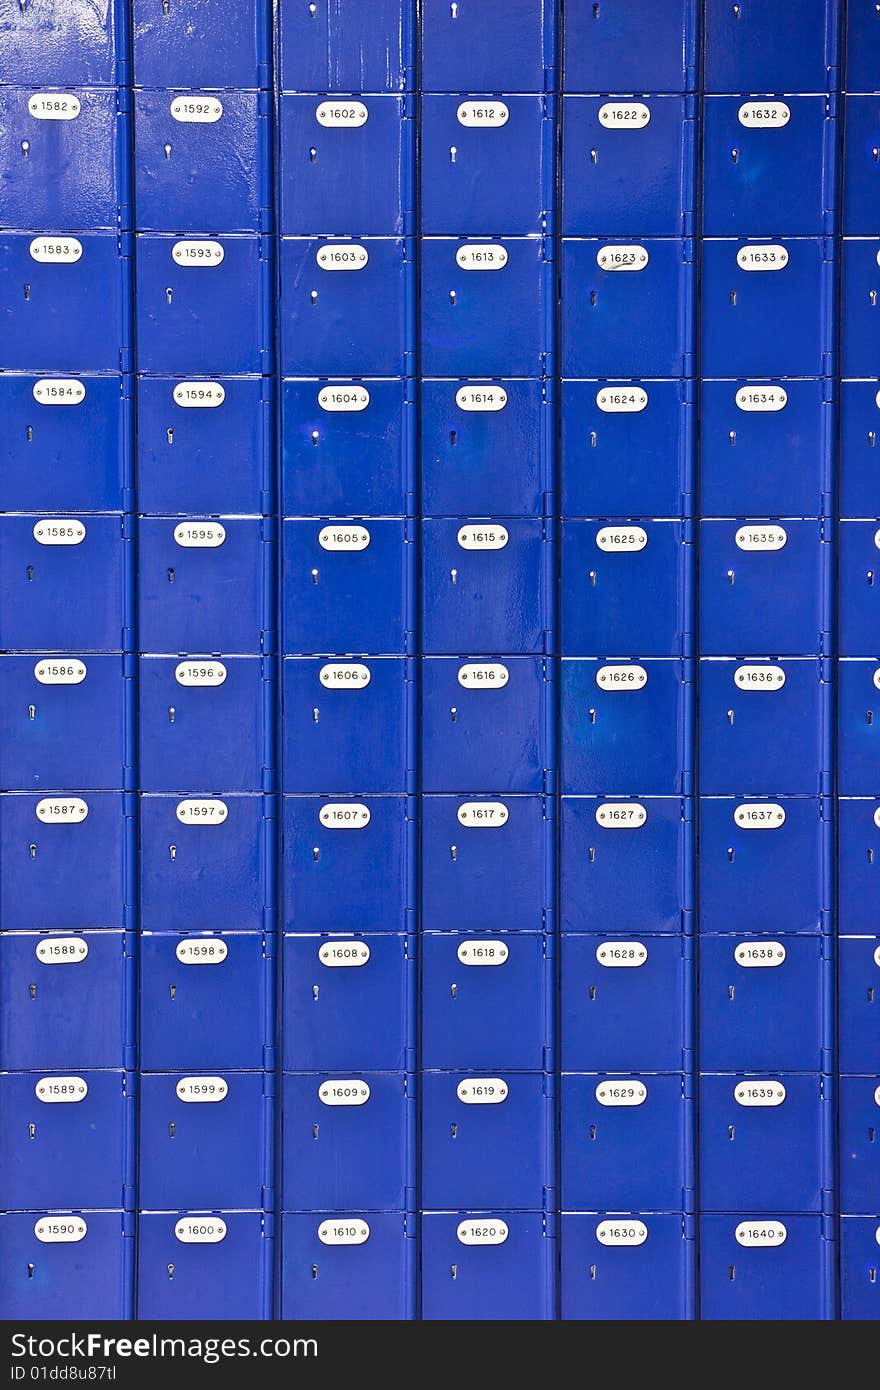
pixel 364 630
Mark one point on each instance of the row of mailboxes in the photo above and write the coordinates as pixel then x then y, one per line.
pixel 347 1000
pixel 201 161
pixel 475 1265
pixel 626 44
pixel 626 446
pixel 626 306
pixel 765 1141
pixel 625 863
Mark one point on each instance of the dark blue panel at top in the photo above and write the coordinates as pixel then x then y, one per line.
pixel 862 50
pixel 201 43
pixel 475 46
pixel 61 172
pixel 629 46
pixel 60 41
pixel 769 45
pixel 345 46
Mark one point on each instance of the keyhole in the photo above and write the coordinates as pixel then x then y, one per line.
pixel 594 156
pixel 733 299
pixel 172 852
pixel 314 1267
pixel 313 10
pixel 870 994
pixel 730 716
pixel 25 148
pixel 453 852
pixel 593 298
pixel 315 715
pixel 32 851
pixel 30 574
pixel 453 714
pixel 872 439
pixel 166 7
pixel 870 856
pixel 592 1131
pixel 453 437
pixel 315 1129
pixel 592 716
pixel 592 855
pixel 314 296
pixel 453 10
pixel 730 1131
pixel 730 854
pixel 30 1267
pixel 873 298
pixel 167 151
pixel 871 1134
pixel 452 297
pixel 592 993
pixel 595 11
pixel 592 439
pixel 593 1267
pixel 170 1269
pixel 32 1131
pixel 875 154
pixel 172 990
pixel 453 990
pixel 731 1269
pixel 171 714
pixel 316 854
pixel 32 990
pixel 732 438
pixel 869 716
pixel 314 576
pixel 27 291
pixel 734 154
pixel 32 711
pixel 316 990
pixel 453 154
pixel 30 433
pixel 168 294
pixel 731 576
pixel 870 578
pixel 593 578
pixel 730 992
pixel 453 575
pixel 171 1129
pixel 169 435
pixel 171 576
pixel 313 155
pixel 315 438
pixel 453 1130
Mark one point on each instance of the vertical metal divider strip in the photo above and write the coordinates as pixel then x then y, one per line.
pixel 416 572
pixel 275 868
pixel 555 529
pixel 695 441
pixel 131 794
pixel 832 1166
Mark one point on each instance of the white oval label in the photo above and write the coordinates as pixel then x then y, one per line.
pixel 344 1092
pixel 343 954
pixel 621 1093
pixel 621 1232
pixel 64 531
pixel 68 810
pixel 877 1095
pixel 759 815
pixel 761 537
pixel 751 1233
pixel 342 257
pixel 621 257
pixel 482 537
pixel 200 1230
pixel 483 113
pixel 58 390
pixel 877 951
pixel 201 811
pixel 762 258
pixel 616 400
pixel 196 110
pixel 345 675
pixel 202 950
pixel 346 1231
pixel 486 1231
pixel 758 116
pixel 53 250
pixel 61 950
pixel 621 538
pixel 759 1093
pixel 482 1090
pixel 624 115
pixel 59 1230
pixel 61 1090
pixel 483 675
pixel 621 815
pixel 201 1090
pixel 877 539
pixel 341 113
pixel 344 538
pixel 483 953
pixel 199 395
pixel 207 535
pixel 194 253
pixel 343 398
pixel 621 677
pixel 481 398
pixel 622 955
pixel 482 257
pixel 54 106
pixel 191 673
pixel 50 672
pixel 482 815
pixel 344 815
pixel 759 677
pixel 754 955
pixel 752 398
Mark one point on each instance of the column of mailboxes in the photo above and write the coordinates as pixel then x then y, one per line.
pixel 626 842
pixel 347 274
pixel 765 1026
pixel 487 123
pixel 66 701
pixel 202 189
pixel 858 670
